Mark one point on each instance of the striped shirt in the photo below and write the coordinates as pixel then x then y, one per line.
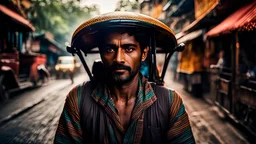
pixel 69 129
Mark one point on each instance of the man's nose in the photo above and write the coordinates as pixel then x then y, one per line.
pixel 120 56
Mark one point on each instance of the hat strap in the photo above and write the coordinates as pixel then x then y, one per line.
pixel 152 58
pixel 178 48
pixel 74 50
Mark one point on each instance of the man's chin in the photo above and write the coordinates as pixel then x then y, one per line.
pixel 121 79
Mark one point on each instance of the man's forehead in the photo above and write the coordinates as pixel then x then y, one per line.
pixel 118 36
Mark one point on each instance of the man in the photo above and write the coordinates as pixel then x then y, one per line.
pixel 123 107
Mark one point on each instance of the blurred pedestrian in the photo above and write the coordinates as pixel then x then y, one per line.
pixel 221 61
pixel 71 76
pixel 44 74
pixel 124 107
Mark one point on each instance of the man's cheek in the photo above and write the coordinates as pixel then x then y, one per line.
pixel 107 68
pixel 105 62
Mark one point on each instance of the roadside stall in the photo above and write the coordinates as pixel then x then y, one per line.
pixel 236 88
pixel 190 66
pixel 19 68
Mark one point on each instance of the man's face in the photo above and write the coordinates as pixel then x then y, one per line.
pixel 121 55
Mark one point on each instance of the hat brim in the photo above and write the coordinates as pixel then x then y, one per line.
pixel 86 35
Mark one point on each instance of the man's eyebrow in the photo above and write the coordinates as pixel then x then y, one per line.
pixel 123 45
pixel 128 45
pixel 110 45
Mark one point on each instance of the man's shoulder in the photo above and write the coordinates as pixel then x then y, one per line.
pixel 175 98
pixel 78 88
pixel 156 87
pixel 77 93
pixel 173 95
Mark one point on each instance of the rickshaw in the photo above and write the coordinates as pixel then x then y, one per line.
pixel 162 39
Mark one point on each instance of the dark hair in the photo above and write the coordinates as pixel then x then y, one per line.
pixel 141 36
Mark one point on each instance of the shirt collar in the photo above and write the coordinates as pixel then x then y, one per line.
pixel 145 94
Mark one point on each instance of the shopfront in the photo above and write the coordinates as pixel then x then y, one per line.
pixel 236 88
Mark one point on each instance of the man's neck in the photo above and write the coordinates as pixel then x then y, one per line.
pixel 127 91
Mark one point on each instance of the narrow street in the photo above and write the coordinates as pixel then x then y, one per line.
pixel 38 123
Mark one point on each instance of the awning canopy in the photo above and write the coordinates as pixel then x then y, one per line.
pixel 179 35
pixel 236 20
pixel 190 36
pixel 49 41
pixel 200 19
pixel 16 17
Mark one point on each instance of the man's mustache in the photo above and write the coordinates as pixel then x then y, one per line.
pixel 117 66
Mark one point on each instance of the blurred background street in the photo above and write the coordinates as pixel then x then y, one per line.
pixel 215 74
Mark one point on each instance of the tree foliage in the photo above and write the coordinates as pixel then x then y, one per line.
pixel 60 17
pixel 128 5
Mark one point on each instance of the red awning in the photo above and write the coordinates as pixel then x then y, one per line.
pixel 16 17
pixel 236 20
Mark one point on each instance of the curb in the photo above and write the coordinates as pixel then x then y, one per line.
pixel 20 111
pixel 26 108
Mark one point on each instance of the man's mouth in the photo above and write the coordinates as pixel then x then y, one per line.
pixel 119 70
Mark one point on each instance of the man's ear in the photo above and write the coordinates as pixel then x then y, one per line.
pixel 144 54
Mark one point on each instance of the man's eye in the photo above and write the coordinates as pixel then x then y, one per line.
pixel 129 49
pixel 110 49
